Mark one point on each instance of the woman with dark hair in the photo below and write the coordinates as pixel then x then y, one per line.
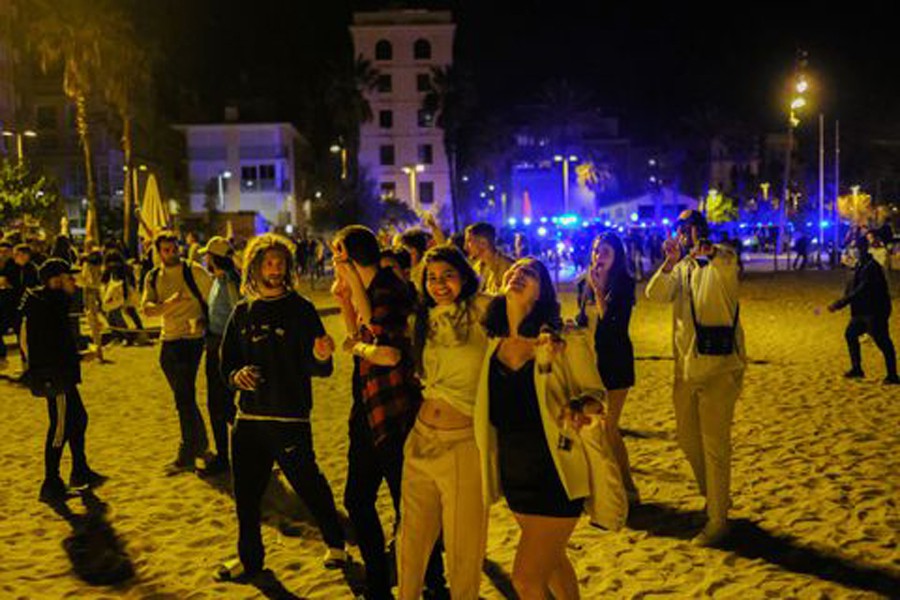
pixel 528 394
pixel 441 484
pixel 119 295
pixel 606 309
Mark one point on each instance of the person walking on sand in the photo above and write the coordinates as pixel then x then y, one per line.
pixel 701 280
pixel 273 345
pixel 177 291
pixel 441 488
pixel 54 372
pixel 870 308
pixel 375 305
pixel 606 310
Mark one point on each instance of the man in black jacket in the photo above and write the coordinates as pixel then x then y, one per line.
pixel 273 344
pixel 54 372
pixel 870 306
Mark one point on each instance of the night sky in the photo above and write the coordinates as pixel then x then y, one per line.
pixel 649 66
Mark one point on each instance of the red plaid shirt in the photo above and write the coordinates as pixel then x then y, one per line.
pixel 391 395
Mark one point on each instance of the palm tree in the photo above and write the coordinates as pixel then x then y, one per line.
pixel 564 113
pixel 70 34
pixel 127 73
pixel 350 108
pixel 450 99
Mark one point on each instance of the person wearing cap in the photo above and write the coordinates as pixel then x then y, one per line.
pixel 7 305
pixel 224 294
pixel 54 372
pixel 177 291
pixel 700 279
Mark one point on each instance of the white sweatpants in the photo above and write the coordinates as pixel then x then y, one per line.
pixel 703 415
pixel 441 489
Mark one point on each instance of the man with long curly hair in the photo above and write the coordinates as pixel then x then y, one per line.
pixel 274 343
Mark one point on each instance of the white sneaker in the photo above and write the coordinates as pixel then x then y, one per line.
pixel 335 558
pixel 712 534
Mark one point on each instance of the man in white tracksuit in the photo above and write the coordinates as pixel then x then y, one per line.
pixel 706 385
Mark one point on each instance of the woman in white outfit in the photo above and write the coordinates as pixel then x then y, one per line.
pixel 441 486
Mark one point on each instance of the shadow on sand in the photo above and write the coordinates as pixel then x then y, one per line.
pixel 98 555
pixel 749 540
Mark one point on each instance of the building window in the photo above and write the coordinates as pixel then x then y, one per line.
pixel 388 190
pixel 384 50
pixel 249 178
pixel 422 50
pixel 426 154
pixel 267 177
pixel 426 192
pixel 426 118
pixel 386 155
pixel 46 117
pixel 384 84
pixel 423 82
pixel 385 119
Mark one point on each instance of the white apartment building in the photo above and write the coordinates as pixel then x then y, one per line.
pixel 404 46
pixel 244 167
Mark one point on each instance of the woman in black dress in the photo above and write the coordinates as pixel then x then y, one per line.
pixel 523 430
pixel 607 302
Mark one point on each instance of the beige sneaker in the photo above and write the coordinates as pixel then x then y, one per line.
pixel 712 535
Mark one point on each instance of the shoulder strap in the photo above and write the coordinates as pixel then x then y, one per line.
pixel 152 276
pixel 192 286
pixel 737 310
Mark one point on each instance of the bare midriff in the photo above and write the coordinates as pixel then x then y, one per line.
pixel 437 413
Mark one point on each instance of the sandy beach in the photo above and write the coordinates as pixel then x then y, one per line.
pixel 816 479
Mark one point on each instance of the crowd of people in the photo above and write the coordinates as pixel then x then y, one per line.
pixel 468 383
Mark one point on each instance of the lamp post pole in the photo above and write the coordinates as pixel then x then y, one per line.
pixel 565 160
pixel 20 146
pixel 412 171
pixel 222 177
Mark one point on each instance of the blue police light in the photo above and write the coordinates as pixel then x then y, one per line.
pixel 824 224
pixel 554 220
pixel 512 221
pixel 585 224
pixel 607 224
pixel 543 219
pixel 665 221
pixel 621 229
pixel 809 223
pixel 742 226
pixel 634 217
pixel 527 221
pixel 758 224
pixel 644 225
pixel 542 231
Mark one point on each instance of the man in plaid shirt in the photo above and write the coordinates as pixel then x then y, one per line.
pixel 376 306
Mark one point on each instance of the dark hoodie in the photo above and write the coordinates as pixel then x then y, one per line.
pixel 867 293
pixel 53 359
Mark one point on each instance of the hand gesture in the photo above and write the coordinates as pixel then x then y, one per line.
pixel 428 220
pixel 323 347
pixel 349 342
pixel 247 378
pixel 672 250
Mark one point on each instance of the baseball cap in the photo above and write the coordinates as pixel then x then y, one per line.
pixel 53 267
pixel 217 246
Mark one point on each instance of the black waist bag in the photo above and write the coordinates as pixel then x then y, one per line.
pixel 714 340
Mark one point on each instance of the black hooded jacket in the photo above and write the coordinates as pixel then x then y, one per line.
pixel 867 293
pixel 53 360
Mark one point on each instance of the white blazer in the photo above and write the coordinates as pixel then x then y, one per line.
pixel 573 373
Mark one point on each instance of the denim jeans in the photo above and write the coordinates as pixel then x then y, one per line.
pixel 180 360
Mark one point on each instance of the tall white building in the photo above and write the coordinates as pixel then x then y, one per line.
pixel 404 46
pixel 236 167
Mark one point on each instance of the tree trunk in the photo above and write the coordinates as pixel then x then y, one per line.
pixel 92 228
pixel 451 163
pixel 128 190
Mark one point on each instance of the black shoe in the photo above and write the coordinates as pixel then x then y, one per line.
pixel 217 466
pixel 86 479
pixel 53 490
pixel 891 380
pixel 854 374
pixel 182 464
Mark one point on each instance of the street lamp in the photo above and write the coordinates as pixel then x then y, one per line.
pixel 339 148
pixel 221 177
pixel 797 103
pixel 565 160
pixel 19 145
pixel 413 171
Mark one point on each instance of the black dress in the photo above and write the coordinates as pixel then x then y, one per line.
pixel 528 475
pixel 615 353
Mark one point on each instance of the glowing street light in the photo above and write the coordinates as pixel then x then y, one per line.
pixel 565 160
pixel 797 103
pixel 221 177
pixel 19 135
pixel 339 148
pixel 413 171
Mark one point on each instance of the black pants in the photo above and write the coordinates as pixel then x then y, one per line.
pixel 219 398
pixel 878 329
pixel 368 465
pixel 256 446
pixel 180 360
pixel 68 424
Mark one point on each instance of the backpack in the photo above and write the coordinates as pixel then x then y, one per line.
pixel 188 280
